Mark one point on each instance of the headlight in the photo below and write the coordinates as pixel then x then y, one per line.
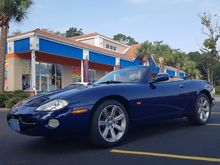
pixel 53 105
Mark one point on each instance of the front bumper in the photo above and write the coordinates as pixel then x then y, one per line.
pixel 31 122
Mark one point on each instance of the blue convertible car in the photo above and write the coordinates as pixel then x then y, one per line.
pixel 105 109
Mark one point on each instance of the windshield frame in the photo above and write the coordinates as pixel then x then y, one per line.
pixel 144 77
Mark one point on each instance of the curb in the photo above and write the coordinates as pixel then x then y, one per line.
pixel 4 110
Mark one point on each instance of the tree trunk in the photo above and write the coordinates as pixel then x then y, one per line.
pixel 3 40
pixel 212 78
pixel 209 74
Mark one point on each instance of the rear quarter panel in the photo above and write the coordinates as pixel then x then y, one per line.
pixel 195 87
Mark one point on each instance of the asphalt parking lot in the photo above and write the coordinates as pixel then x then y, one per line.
pixel 170 142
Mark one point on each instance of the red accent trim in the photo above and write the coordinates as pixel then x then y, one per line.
pixel 86 70
pixel 49 58
pixel 45 57
pixel 97 66
pixel 23 55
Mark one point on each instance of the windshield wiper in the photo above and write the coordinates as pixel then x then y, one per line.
pixel 110 82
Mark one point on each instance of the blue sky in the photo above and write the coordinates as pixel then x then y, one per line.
pixel 176 22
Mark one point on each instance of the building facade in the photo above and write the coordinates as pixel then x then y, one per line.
pixel 45 61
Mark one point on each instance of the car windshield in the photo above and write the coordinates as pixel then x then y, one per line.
pixel 125 75
pixel 74 86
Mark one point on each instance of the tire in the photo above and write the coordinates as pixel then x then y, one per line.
pixel 109 124
pixel 201 112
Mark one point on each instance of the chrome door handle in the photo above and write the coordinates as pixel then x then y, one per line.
pixel 181 86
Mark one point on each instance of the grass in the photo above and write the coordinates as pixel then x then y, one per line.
pixel 217 90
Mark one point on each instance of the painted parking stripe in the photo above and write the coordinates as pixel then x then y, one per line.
pixel 198 158
pixel 215 113
pixel 213 124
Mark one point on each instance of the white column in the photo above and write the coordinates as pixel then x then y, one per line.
pixel 34 42
pixel 117 63
pixel 85 57
pixel 33 71
pixel 10 47
pixel 82 73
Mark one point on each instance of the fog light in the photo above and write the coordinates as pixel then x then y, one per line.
pixel 53 123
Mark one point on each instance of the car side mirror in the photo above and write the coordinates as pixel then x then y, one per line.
pixel 160 77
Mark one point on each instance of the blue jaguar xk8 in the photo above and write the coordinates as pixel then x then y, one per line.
pixel 105 109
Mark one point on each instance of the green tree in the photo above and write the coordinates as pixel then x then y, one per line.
pixel 72 32
pixel 125 39
pixel 202 63
pixel 16 32
pixel 54 32
pixel 172 57
pixel 10 10
pixel 211 29
pixel 145 50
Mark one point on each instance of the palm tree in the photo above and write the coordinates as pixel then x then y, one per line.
pixel 145 50
pixel 10 10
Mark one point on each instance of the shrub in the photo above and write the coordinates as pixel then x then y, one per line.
pixel 11 102
pixel 3 97
pixel 217 90
pixel 9 99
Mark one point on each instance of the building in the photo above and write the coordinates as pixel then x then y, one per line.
pixel 46 61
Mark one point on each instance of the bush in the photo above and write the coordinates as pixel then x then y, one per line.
pixel 217 90
pixel 4 97
pixel 9 99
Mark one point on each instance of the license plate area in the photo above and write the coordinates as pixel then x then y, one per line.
pixel 14 124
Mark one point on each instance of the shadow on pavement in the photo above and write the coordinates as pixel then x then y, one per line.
pixel 78 145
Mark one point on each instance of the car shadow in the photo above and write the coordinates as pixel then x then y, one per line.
pixel 154 129
pixel 79 144
pixel 57 145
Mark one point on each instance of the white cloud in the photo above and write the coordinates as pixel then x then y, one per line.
pixel 181 1
pixel 130 19
pixel 138 1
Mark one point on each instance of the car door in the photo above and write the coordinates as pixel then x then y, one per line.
pixel 165 98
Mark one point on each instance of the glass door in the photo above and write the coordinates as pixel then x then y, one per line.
pixel 44 83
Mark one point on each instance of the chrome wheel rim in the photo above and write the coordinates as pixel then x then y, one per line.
pixel 112 123
pixel 203 109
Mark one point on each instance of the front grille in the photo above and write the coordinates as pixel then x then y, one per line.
pixel 27 123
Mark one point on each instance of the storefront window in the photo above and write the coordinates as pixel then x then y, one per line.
pixel 26 85
pixel 48 76
pixel 76 74
pixel 43 68
pixel 52 83
pixel 38 82
pixel 26 74
pixel 52 69
pixel 58 70
pixel 59 82
pixel 37 67
pixel 44 83
pixel 92 75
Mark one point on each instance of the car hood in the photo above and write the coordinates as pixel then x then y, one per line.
pixel 72 95
pixel 58 94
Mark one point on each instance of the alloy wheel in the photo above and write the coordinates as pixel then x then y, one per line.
pixel 203 109
pixel 112 123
